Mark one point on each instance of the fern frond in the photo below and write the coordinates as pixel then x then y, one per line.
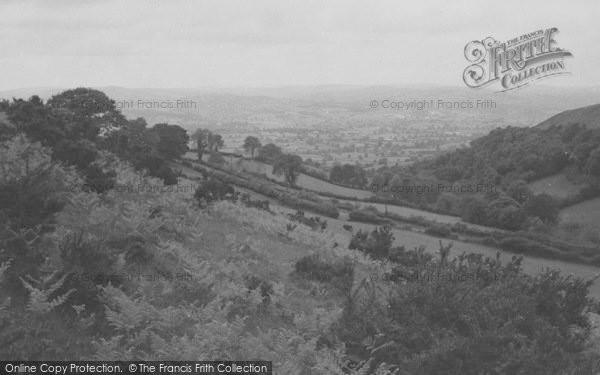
pixel 3 267
pixel 39 296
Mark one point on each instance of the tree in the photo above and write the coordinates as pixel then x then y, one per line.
pixel 289 166
pixel 215 142
pixel 213 190
pixel 80 153
pixel 202 137
pixel 544 207
pixel 348 174
pixel 97 180
pixel 86 112
pixel 167 174
pixel 269 153
pixel 34 119
pixel 216 159
pixel 251 144
pixel 358 176
pixel 32 187
pixel 510 217
pixel 382 179
pixel 395 182
pixel 519 191
pixel 336 175
pixel 592 166
pixel 134 142
pixel 447 203
pixel 172 140
pixel 474 210
pixel 377 244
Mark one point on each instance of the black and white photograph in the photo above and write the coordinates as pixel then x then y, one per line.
pixel 300 187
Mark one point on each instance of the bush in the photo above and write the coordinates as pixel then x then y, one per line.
pixel 340 273
pixel 213 190
pixel 265 287
pixel 544 207
pixel 97 180
pixel 260 204
pixel 439 230
pixel 167 174
pixel 216 158
pixel 314 222
pixel 32 187
pixel 470 315
pixel 377 244
pixel 368 216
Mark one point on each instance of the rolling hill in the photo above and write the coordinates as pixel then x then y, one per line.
pixel 589 116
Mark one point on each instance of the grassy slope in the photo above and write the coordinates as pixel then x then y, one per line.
pixel 409 239
pixel 557 185
pixel 587 212
pixel 589 116
pixel 229 228
pixel 304 181
pixel 336 233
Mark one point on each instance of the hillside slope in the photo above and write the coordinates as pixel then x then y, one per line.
pixel 589 116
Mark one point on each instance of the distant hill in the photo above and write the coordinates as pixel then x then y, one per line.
pixel 590 116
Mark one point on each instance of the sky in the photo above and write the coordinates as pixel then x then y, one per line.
pixel 231 43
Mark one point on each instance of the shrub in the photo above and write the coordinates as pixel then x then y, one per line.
pixel 167 174
pixel 314 222
pixel 339 273
pixel 377 244
pixel 544 207
pixel 216 158
pixel 32 187
pixel 260 204
pixel 471 315
pixel 97 180
pixel 213 190
pixel 265 287
pixel 367 216
pixel 439 230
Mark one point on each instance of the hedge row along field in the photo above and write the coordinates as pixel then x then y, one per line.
pixel 299 200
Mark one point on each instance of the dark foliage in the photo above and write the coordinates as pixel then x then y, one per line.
pixel 468 315
pixel 377 244
pixel 339 273
pixel 213 190
pixel 314 222
pixel 347 174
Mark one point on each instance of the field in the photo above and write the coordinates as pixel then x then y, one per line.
pixel 557 185
pixel 304 181
pixel 587 212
